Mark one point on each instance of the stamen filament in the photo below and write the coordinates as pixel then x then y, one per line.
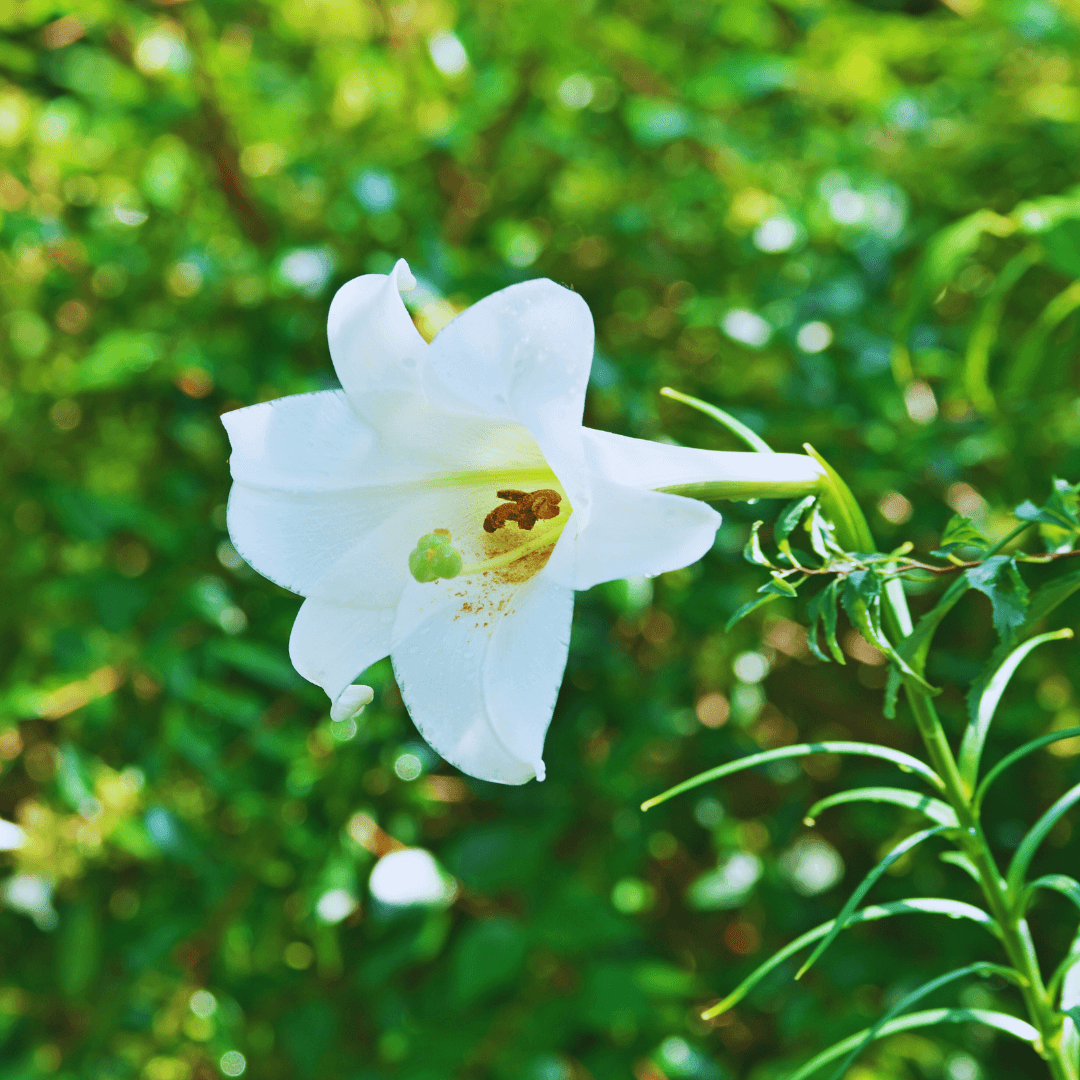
pixel 497 562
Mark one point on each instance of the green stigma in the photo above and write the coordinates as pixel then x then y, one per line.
pixel 434 558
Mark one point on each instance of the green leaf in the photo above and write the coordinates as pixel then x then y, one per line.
pixel 750 605
pixel 999 579
pixel 752 552
pixel 1048 596
pixel 1062 883
pixel 927 905
pixel 751 438
pixel 790 517
pixel 865 886
pixel 1012 1025
pixel 984 333
pixel 78 953
pixel 960 533
pixel 958 858
pixel 780 586
pixel 823 609
pixel 1063 247
pixel 1027 357
pixel 982 969
pixel 1036 835
pixel 934 809
pixel 1043 601
pixel 1072 958
pixel 892 692
pixel 971 747
pixel 905 761
pixel 842 509
pixel 1058 520
pixel 116 359
pixel 1016 755
pixel 862 601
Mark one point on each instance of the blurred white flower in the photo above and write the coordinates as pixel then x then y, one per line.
pixel 411 876
pixel 746 327
pixel 447 53
pixel 31 895
pixel 812 865
pixel 335 905
pixel 11 836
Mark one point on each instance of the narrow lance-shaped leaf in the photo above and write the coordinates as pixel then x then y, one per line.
pixel 751 605
pixel 934 809
pixel 821 536
pixel 905 761
pixel 1074 1015
pixel 984 333
pixel 982 969
pixel 892 692
pixel 959 859
pixel 1041 603
pixel 1016 755
pixel 1061 883
pixel 752 551
pixel 1012 1025
pixel 790 517
pixel 1072 958
pixel 1036 835
pixel 736 427
pixel 1027 357
pixel 864 887
pixel 971 747
pixel 925 905
pixel 1058 519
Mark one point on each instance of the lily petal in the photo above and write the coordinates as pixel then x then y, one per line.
pixel 318 490
pixel 373 343
pixel 645 464
pixel 331 645
pixel 632 533
pixel 293 461
pixel 524 354
pixel 479 666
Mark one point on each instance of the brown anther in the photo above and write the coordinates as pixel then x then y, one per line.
pixel 524 507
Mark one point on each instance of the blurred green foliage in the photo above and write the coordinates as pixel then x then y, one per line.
pixel 836 219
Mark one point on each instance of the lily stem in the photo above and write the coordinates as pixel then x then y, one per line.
pixel 1015 935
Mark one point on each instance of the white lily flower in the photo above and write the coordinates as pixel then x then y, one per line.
pixel 473 446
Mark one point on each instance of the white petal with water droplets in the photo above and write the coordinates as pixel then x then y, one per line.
pixel 332 645
pixel 479 662
pixel 630 533
pixel 373 342
pixel 524 354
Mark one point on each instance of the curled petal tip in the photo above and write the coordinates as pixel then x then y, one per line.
pixel 350 701
pixel 540 769
pixel 403 276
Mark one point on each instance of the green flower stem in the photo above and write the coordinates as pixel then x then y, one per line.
pixel 760 478
pixel 853 531
pixel 1016 937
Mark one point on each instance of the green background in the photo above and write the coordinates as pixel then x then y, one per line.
pixel 182 189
